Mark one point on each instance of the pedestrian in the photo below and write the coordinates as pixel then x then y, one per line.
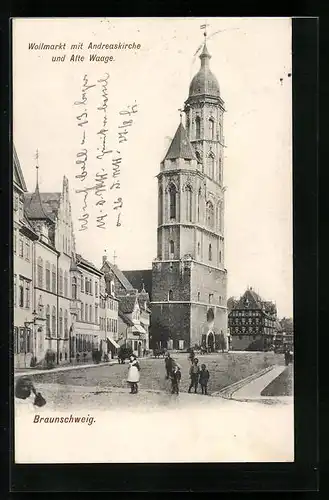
pixel 175 379
pixel 24 388
pixel 203 379
pixel 194 375
pixel 133 374
pixel 286 356
pixel 169 364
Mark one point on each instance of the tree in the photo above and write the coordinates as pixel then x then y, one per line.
pixel 287 325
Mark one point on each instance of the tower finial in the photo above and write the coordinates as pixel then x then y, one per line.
pixel 36 157
pixel 204 27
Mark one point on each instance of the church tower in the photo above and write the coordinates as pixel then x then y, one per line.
pixel 188 276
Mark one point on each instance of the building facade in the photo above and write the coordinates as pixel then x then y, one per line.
pixel 252 323
pixel 189 279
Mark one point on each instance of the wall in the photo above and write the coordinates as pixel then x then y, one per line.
pixel 172 320
pixel 173 276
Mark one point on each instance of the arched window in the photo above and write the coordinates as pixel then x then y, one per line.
pixel 40 272
pixel 61 282
pixel 170 295
pixel 189 204
pixel 65 284
pixel 160 205
pixel 66 326
pixel 210 252
pixel 48 320
pixel 53 320
pixel 47 275
pixel 74 287
pixel 171 249
pixel 61 322
pixel 53 279
pixel 210 214
pixel 211 129
pixel 172 201
pixel 211 165
pixel 197 127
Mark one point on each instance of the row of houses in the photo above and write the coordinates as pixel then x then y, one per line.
pixel 64 304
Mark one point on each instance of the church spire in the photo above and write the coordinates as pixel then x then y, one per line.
pixel 180 146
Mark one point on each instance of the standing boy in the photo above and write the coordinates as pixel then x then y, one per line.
pixel 175 379
pixel 194 375
pixel 203 379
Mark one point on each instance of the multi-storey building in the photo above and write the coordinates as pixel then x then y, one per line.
pixel 188 276
pixel 252 323
pixel 108 320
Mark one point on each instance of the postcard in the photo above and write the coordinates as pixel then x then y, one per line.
pixel 152 240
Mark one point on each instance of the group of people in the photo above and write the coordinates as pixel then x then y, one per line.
pixel 197 375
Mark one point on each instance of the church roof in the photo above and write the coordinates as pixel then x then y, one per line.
pixel 204 82
pixel 138 278
pixel 180 146
pixel 119 275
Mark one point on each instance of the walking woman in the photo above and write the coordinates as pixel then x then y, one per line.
pixel 133 374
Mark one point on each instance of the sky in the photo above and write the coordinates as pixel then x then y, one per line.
pixel 251 58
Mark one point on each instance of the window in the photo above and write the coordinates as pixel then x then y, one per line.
pixel 74 288
pixel 96 314
pixel 16 201
pixel 210 252
pixel 65 284
pixel 172 201
pixel 21 209
pixel 82 311
pixel 86 312
pixel 27 294
pixel 108 325
pixel 21 293
pixel 15 240
pixel 219 170
pixel 170 295
pixel 40 272
pixel 160 206
pixel 82 284
pixel 211 129
pixel 220 256
pixel 48 320
pixel 53 320
pixel 198 296
pixel 171 249
pixel 211 166
pixel 66 326
pixel 61 282
pixel 210 214
pixel 53 279
pixel 189 204
pixel 15 289
pixel 90 287
pixel 27 250
pixel 90 314
pixel 61 322
pixel 86 285
pixel 198 157
pixel 197 127
pixel 199 247
pixel 47 275
pixel 211 296
pixel 21 246
pixel 96 289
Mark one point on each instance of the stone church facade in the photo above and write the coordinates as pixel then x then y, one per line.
pixel 189 278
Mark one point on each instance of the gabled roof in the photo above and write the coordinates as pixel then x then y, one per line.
pixel 18 176
pixel 138 278
pixel 127 304
pixel 34 206
pixel 119 275
pixel 180 146
pixel 82 260
pixel 252 298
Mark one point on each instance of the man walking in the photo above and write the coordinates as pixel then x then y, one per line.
pixel 169 364
pixel 194 375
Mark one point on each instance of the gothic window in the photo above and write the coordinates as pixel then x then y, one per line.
pixel 160 205
pixel 210 214
pixel 74 287
pixel 211 165
pixel 48 320
pixel 171 249
pixel 170 295
pixel 53 279
pixel 211 129
pixel 210 252
pixel 172 201
pixel 61 322
pixel 220 170
pixel 47 275
pixel 53 320
pixel 198 157
pixel 40 272
pixel 219 131
pixel 197 127
pixel 199 196
pixel 66 329
pixel 188 204
pixel 61 282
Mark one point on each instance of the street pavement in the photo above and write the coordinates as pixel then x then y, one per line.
pixel 152 426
